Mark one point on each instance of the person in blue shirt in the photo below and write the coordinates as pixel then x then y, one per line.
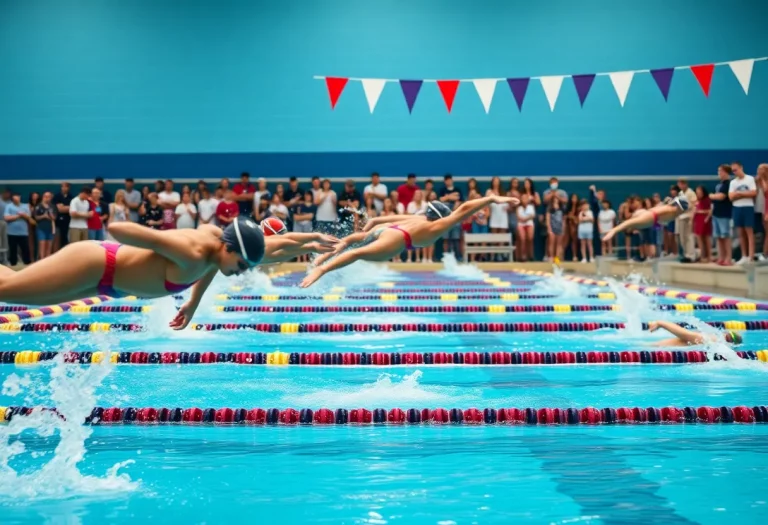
pixel 17 217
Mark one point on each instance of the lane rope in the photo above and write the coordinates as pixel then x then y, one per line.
pixel 646 357
pixel 410 416
pixel 401 297
pixel 31 313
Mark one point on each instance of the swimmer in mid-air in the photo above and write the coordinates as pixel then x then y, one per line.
pixel 659 214
pixel 151 263
pixel 685 337
pixel 404 232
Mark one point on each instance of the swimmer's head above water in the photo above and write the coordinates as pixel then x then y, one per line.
pixel 733 338
pixel 245 246
pixel 437 210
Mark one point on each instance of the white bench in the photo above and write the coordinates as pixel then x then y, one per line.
pixel 494 243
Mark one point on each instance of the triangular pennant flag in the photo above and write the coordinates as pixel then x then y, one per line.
pixel 583 83
pixel 704 75
pixel 410 91
pixel 335 86
pixel 519 87
pixel 485 88
pixel 742 69
pixel 372 87
pixel 552 87
pixel 621 82
pixel 663 78
pixel 448 89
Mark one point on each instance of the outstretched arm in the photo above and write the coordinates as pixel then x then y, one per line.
pixel 286 254
pixel 376 251
pixel 304 238
pixel 187 310
pixel 685 335
pixel 169 244
pixel 469 208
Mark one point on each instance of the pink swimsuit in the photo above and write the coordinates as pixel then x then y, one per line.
pixel 406 237
pixel 107 281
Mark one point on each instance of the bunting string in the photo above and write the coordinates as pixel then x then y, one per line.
pixel 486 88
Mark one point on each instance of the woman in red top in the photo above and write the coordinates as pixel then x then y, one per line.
pixel 702 223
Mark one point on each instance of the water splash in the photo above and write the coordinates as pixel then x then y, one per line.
pixel 389 390
pixel 467 272
pixel 558 285
pixel 72 391
pixel 634 307
pixel 714 343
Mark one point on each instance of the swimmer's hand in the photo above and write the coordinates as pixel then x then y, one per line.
pixel 608 236
pixel 653 326
pixel 183 317
pixel 327 240
pixel 321 248
pixel 312 277
pixel 501 199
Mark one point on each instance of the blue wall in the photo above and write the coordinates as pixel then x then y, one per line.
pixel 221 76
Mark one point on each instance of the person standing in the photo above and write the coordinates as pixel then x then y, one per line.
pixel 278 209
pixel 585 232
pixel 452 197
pixel 685 222
pixel 499 213
pixel 5 198
pixel 132 200
pixel 555 229
pixel 606 220
pixel 17 217
pixel 80 212
pixel 33 202
pixel 327 214
pixel 244 193
pixel 186 212
pixel 722 211
pixel 168 200
pixel 206 207
pixel 702 224
pixel 377 191
pixel 99 215
pixel 119 211
pixel 742 192
pixel 45 216
pixel 405 191
pixel 554 192
pixel 106 195
pixel 228 210
pixel 761 179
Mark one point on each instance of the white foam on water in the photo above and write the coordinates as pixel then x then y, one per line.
pixel 389 388
pixel 254 281
pixel 71 390
pixel 634 308
pixel 558 285
pixel 467 272
pixel 715 344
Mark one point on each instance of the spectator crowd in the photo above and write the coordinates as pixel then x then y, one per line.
pixel 563 226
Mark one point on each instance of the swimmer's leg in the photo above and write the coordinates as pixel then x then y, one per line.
pixel 67 275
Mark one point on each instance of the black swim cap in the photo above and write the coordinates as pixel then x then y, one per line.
pixel 246 238
pixel 437 210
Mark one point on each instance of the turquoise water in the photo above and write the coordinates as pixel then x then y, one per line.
pixel 385 474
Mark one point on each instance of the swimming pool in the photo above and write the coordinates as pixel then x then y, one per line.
pixel 507 337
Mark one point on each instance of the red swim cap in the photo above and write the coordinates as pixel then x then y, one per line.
pixel 272 226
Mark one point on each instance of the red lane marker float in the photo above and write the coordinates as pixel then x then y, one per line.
pixel 588 416
pixel 646 357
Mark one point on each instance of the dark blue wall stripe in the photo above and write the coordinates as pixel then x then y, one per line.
pixel 213 166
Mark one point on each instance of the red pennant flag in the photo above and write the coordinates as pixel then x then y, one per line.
pixel 448 89
pixel 704 75
pixel 335 86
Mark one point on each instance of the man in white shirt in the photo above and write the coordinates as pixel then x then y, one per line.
pixel 742 192
pixel 80 211
pixel 377 191
pixel 186 212
pixel 168 201
pixel 262 192
pixel 684 222
pixel 206 208
pixel 132 200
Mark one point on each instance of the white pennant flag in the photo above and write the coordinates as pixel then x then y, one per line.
pixel 621 82
pixel 742 69
pixel 485 89
pixel 551 87
pixel 373 88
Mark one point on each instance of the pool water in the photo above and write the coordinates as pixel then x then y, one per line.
pixel 380 474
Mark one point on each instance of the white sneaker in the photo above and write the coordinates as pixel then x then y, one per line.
pixel 742 261
pixel 761 257
pixel 583 261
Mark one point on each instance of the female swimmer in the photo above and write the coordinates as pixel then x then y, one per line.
pixel 413 231
pixel 152 263
pixel 659 214
pixel 685 337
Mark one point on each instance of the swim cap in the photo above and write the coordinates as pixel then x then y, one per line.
pixel 272 226
pixel 246 238
pixel 733 338
pixel 437 210
pixel 682 203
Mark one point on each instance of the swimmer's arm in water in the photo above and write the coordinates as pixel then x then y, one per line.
pixel 304 238
pixel 187 310
pixel 343 244
pixel 468 209
pixel 169 244
pixel 683 334
pixel 285 247
pixel 286 254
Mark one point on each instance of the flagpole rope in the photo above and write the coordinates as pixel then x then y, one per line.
pixel 539 77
